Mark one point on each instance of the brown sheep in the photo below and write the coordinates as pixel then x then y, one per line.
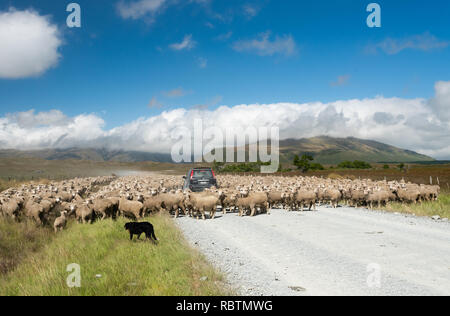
pixel 304 197
pixel 12 207
pixel 254 200
pixel 408 194
pixel 35 211
pixel 104 207
pixel 275 198
pixel 60 222
pixel 152 204
pixel 334 196
pixel 205 203
pixel 229 202
pixel 84 213
pixel 358 197
pixel 131 208
pixel 173 202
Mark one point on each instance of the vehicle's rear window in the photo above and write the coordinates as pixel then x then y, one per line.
pixel 203 174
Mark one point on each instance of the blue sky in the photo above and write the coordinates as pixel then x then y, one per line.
pixel 111 64
pixel 234 52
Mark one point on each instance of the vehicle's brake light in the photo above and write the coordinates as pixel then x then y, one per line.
pixel 214 174
pixel 192 174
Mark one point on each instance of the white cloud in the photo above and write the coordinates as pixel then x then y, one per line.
pixel 422 42
pixel 29 44
pixel 186 44
pixel 415 124
pixel 142 8
pixel 441 102
pixel 264 46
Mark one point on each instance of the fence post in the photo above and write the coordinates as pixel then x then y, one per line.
pixel 431 180
pixel 437 179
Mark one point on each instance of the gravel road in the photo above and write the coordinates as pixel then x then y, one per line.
pixel 342 251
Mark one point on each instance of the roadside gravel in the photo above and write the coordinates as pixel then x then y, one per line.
pixel 328 252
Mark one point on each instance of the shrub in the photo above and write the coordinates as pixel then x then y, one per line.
pixel 345 165
pixel 304 163
pixel 357 164
pixel 316 166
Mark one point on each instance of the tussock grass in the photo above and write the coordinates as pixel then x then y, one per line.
pixel 440 207
pixel 126 268
pixel 19 240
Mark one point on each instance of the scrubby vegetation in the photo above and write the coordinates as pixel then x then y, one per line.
pixel 18 241
pixel 357 164
pixel 239 167
pixel 304 163
pixel 440 207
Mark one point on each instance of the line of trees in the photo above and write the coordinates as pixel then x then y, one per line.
pixel 303 163
pixel 357 164
pixel 239 167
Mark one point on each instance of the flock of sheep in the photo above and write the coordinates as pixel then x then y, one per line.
pixel 137 196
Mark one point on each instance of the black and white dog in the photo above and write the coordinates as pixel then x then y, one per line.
pixel 141 228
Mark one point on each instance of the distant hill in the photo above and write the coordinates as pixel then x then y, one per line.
pixel 325 150
pixel 329 150
pixel 87 154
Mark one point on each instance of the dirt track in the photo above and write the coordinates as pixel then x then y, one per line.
pixel 329 252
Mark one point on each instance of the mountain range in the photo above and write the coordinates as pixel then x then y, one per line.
pixel 324 149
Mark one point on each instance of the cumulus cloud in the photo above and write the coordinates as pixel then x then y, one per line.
pixel 142 8
pixel 29 44
pixel 422 42
pixel 441 102
pixel 416 124
pixel 263 45
pixel 186 44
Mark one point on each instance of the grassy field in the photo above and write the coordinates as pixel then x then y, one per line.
pixel 26 169
pixel 440 207
pixel 127 268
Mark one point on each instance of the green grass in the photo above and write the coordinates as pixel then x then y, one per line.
pixel 440 207
pixel 127 268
